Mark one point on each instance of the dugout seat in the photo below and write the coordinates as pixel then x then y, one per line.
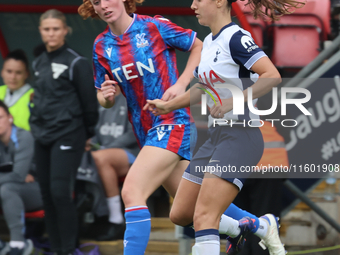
pixel 320 9
pixel 295 46
pixel 298 37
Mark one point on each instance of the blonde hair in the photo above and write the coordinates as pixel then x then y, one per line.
pixel 272 8
pixel 86 9
pixel 55 14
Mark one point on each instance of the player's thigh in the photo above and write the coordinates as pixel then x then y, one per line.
pixel 151 168
pixel 171 184
pixel 115 157
pixel 183 207
pixel 215 196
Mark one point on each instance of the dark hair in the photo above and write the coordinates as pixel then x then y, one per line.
pixel 86 9
pixel 272 8
pixel 4 106
pixel 19 55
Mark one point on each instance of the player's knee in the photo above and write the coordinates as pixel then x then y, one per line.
pixel 130 196
pixel 180 218
pixel 5 191
pixel 98 159
pixel 61 193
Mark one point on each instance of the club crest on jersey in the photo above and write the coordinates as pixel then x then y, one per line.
pixel 248 43
pixel 217 52
pixel 141 42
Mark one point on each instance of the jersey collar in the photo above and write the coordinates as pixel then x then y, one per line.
pixel 225 27
pixel 133 20
pixel 56 52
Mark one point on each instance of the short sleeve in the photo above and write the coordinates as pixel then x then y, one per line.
pixel 244 51
pixel 174 35
pixel 100 66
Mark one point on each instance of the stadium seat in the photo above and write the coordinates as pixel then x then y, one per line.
pixel 298 37
pixel 320 9
pixel 295 46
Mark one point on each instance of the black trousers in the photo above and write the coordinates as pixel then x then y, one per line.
pixel 259 196
pixel 57 166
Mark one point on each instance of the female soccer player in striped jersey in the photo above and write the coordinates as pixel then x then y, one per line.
pixel 229 56
pixel 137 53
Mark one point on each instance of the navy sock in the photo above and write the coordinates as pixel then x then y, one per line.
pixel 207 241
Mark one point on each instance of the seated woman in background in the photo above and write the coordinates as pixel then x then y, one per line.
pixel 19 192
pixel 16 93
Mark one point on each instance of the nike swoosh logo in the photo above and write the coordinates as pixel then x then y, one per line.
pixel 213 160
pixel 63 147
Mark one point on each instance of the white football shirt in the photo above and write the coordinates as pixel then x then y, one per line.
pixel 227 58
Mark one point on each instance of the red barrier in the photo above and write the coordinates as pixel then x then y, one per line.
pixel 74 9
pixel 3 45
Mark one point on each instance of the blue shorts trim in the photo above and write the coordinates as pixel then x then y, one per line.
pixel 131 157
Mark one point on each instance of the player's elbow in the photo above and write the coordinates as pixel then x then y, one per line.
pixel 198 45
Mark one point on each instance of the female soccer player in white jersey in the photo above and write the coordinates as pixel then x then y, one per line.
pixel 229 56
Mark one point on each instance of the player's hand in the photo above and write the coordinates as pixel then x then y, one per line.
pixel 29 178
pixel 172 92
pixel 157 107
pixel 218 110
pixel 108 89
pixel 88 145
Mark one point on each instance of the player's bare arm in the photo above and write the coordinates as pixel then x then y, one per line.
pixel 161 107
pixel 183 81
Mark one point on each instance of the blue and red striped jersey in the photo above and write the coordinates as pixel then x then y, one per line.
pixel 143 63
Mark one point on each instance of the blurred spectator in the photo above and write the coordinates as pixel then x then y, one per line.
pixel 118 150
pixel 16 93
pixel 18 190
pixel 63 116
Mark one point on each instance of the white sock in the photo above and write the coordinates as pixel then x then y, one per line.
pixel 263 228
pixel 211 247
pixel 17 244
pixel 115 208
pixel 229 226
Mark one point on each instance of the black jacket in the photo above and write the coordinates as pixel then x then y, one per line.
pixel 64 95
